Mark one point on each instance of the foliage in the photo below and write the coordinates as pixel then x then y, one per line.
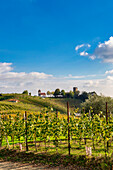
pixel 48 92
pixel 25 92
pixel 57 92
pixel 98 104
pixel 49 124
pixel 63 93
pixel 76 94
pixel 83 96
pixel 71 94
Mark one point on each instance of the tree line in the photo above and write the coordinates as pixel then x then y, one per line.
pixel 61 93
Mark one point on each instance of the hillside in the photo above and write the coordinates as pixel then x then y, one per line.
pixel 35 103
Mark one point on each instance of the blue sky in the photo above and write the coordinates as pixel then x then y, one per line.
pixel 40 36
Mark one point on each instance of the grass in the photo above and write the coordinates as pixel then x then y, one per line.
pixel 53 159
pixel 35 103
pixel 76 148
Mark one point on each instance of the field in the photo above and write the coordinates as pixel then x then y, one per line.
pixel 34 103
pixel 50 133
pixel 49 136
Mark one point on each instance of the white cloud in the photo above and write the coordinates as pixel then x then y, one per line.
pixel 83 53
pixel 79 77
pixel 74 77
pixel 79 46
pixel 92 57
pixel 104 51
pixel 89 45
pixel 109 72
pixel 18 82
pixel 5 67
pixel 40 75
pixel 110 77
pixel 82 45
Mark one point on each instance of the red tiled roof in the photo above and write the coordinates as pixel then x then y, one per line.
pixel 42 93
pixel 13 100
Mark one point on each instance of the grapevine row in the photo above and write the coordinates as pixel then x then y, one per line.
pixel 48 125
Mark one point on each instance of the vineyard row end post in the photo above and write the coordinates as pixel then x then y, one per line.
pixel 68 127
pixel 26 131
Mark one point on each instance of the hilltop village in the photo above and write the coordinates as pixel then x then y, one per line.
pixel 62 94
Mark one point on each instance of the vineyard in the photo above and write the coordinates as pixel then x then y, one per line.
pixel 34 103
pixel 49 131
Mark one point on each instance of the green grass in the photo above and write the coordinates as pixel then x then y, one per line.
pixel 51 157
pixel 35 103
pixel 76 148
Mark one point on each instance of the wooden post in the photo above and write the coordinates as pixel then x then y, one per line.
pixel 56 126
pixel 107 122
pixel 83 111
pixel 0 133
pixel 106 113
pixel 68 127
pixel 26 131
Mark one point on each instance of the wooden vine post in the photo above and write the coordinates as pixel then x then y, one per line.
pixel 0 133
pixel 57 132
pixel 68 128
pixel 107 122
pixel 106 113
pixel 26 131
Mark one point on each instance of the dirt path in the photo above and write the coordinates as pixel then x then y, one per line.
pixel 19 166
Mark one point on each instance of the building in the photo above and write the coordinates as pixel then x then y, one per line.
pixel 13 100
pixel 43 95
pixel 39 92
pixel 75 89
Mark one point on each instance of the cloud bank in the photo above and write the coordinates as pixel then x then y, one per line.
pixel 17 82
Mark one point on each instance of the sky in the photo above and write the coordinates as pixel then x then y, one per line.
pixel 49 44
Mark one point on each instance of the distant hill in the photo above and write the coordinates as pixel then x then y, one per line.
pixel 34 103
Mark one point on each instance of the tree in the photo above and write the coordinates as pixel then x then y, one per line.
pixel 25 92
pixel 76 93
pixel 48 92
pixel 57 92
pixel 63 93
pixel 52 92
pixel 71 94
pixel 98 103
pixel 83 96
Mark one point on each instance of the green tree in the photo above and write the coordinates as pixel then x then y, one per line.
pixel 57 92
pixel 83 96
pixel 71 94
pixel 48 92
pixel 63 93
pixel 52 92
pixel 76 93
pixel 25 92
pixel 98 104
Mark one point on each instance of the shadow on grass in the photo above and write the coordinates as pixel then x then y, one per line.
pixel 55 159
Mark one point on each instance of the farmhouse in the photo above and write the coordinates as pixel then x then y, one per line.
pixel 13 100
pixel 43 95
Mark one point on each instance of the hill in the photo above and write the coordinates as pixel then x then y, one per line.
pixel 35 103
